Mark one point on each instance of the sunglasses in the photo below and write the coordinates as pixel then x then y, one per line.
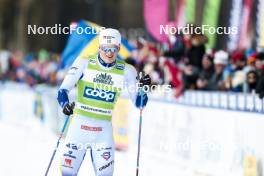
pixel 110 49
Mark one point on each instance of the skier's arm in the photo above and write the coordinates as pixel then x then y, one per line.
pixel 131 83
pixel 74 74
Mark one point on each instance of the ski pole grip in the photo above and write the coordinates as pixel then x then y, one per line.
pixel 141 75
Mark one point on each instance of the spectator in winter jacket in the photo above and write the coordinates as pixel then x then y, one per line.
pixel 206 72
pixel 217 81
pixel 252 80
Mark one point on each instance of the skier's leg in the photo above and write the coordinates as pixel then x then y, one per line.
pixel 103 152
pixel 72 158
pixel 74 149
pixel 103 160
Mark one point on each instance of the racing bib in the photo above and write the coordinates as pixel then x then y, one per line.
pixel 98 89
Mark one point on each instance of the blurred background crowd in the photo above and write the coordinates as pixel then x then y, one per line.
pixel 184 64
pixel 226 62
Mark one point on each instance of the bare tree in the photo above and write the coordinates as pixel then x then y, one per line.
pixel 2 7
pixel 21 29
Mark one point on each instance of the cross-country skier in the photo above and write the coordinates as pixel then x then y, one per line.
pixel 99 79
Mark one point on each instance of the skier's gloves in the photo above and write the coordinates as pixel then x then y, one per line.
pixel 68 108
pixel 141 100
pixel 145 81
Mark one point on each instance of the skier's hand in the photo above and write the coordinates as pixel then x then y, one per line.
pixel 145 81
pixel 68 108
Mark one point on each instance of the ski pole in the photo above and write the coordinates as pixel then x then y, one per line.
pixel 58 143
pixel 140 124
pixel 139 140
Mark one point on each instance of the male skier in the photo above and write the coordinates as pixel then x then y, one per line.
pixel 99 79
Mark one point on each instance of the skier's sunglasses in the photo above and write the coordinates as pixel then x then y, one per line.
pixel 109 49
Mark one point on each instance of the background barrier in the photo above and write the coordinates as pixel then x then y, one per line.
pixel 201 133
pixel 198 141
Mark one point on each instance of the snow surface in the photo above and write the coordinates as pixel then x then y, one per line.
pixel 27 145
pixel 26 149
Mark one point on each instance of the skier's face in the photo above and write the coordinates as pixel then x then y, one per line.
pixel 109 52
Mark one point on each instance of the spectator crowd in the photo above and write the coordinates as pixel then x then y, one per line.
pixel 34 68
pixel 184 63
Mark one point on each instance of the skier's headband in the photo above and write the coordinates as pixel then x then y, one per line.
pixel 109 36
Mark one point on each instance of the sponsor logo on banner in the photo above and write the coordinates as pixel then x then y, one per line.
pixel 106 166
pixel 103 78
pixel 106 155
pixel 99 94
pixel 89 128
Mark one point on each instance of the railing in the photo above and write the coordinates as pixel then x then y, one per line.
pixel 221 100
pixel 45 106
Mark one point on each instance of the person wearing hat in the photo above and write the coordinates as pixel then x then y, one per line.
pixel 99 78
pixel 220 62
